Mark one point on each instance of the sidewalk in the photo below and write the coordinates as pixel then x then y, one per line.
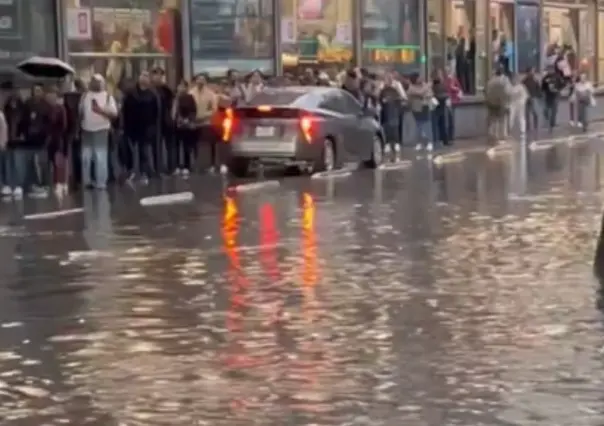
pixel 477 144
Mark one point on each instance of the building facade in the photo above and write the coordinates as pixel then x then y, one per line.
pixel 119 38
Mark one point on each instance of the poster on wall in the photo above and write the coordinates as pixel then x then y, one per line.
pixel 527 37
pixel 122 39
pixel 232 34
pixel 79 23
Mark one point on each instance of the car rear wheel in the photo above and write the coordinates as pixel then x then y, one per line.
pixel 327 160
pixel 239 167
pixel 377 152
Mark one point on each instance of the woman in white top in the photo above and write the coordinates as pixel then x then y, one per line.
pixel 97 110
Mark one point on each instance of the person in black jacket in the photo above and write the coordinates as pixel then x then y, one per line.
pixel 551 85
pixel 141 115
pixel 183 115
pixel 34 131
pixel 166 99
pixel 533 87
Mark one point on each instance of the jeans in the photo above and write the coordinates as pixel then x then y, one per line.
pixel 531 115
pixel 22 168
pixel 451 123
pixel 550 110
pixel 4 166
pixel 422 121
pixel 440 132
pixel 183 148
pixel 95 147
pixel 582 110
pixel 517 118
pixel 390 115
pixel 44 167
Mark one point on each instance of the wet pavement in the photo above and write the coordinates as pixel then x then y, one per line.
pixel 459 294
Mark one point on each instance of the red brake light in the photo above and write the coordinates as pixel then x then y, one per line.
pixel 227 124
pixel 306 125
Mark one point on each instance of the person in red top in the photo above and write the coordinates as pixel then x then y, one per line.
pixel 164 28
pixel 454 89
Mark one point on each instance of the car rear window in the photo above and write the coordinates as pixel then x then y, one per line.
pixel 277 98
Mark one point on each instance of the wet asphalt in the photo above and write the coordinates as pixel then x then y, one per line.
pixel 458 293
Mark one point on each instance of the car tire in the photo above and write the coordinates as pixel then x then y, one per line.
pixel 377 152
pixel 327 160
pixel 239 167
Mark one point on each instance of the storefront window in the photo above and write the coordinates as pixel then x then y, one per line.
pixel 528 36
pixel 502 36
pixel 436 35
pixel 461 42
pixel 391 35
pixel 121 38
pixel 235 34
pixel 316 34
pixel 587 28
pixel 562 31
pixel 28 27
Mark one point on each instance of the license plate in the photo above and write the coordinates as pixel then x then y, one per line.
pixel 265 132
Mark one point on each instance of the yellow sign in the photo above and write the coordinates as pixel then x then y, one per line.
pixel 334 54
pixel 389 56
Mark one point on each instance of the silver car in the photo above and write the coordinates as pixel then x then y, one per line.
pixel 314 128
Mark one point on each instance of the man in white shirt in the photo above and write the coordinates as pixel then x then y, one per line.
pixel 97 109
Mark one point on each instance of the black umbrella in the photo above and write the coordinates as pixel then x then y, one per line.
pixel 45 67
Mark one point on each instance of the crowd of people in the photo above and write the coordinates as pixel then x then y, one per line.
pixel 87 137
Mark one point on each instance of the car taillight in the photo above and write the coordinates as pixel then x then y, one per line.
pixel 227 125
pixel 306 125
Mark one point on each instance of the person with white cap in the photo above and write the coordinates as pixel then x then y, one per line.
pixel 97 110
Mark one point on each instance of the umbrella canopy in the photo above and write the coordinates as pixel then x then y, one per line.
pixel 44 67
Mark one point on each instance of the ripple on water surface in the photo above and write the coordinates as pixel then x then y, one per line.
pixel 302 309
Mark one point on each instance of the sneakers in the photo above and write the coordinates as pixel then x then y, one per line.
pixel 185 173
pixel 387 149
pixel 573 124
pixel 224 169
pixel 419 147
pixel 38 192
pixel 6 191
pixel 430 147
pixel 177 172
pixel 18 192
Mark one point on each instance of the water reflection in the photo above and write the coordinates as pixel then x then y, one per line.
pixel 419 297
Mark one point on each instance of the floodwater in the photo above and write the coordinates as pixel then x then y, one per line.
pixel 453 295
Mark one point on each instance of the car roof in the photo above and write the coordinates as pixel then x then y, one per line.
pixel 293 96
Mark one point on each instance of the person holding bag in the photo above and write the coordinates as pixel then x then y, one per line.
pixel 97 110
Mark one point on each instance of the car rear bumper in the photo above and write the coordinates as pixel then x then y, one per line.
pixel 274 151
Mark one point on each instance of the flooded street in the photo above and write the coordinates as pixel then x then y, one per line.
pixel 436 295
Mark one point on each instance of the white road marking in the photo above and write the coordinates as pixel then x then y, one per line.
pixel 398 165
pixel 499 150
pixel 53 214
pixel 178 197
pixel 267 184
pixel 332 174
pixel 453 157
